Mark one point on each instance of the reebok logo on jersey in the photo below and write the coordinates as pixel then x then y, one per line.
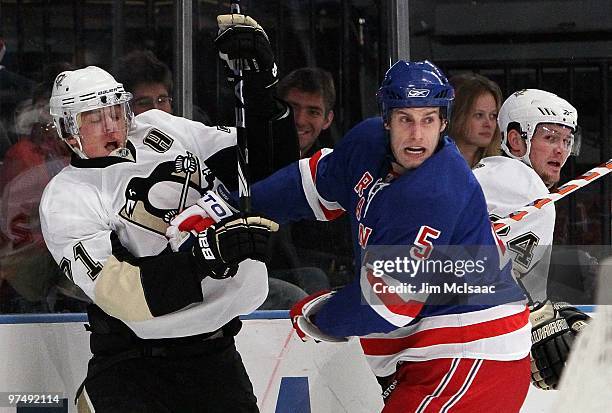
pixel 548 330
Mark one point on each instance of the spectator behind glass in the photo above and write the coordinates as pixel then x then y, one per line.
pixel 32 277
pixel 150 82
pixel 14 88
pixel 148 79
pixel 473 123
pixel 311 94
pixel 311 255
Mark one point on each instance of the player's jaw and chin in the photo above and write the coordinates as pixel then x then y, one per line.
pixel 104 145
pixel 547 162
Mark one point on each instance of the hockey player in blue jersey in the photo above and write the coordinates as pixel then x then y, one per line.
pixel 404 184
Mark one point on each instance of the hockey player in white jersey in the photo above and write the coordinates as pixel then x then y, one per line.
pixel 162 322
pixel 538 135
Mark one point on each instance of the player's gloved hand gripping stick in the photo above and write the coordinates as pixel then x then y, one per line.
pixel 244 46
pixel 219 238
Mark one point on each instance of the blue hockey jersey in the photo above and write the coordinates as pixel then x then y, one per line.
pixel 423 211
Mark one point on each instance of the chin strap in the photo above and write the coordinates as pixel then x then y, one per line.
pixel 76 150
pixel 525 158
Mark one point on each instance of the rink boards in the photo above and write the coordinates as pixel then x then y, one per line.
pixel 48 354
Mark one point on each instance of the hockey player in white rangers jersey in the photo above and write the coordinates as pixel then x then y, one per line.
pixel 162 322
pixel 538 130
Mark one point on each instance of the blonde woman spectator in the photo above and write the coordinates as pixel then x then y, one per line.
pixel 473 123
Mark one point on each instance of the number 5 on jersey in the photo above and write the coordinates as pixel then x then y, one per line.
pixel 422 244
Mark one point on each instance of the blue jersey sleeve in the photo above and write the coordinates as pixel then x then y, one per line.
pixel 294 192
pixel 320 187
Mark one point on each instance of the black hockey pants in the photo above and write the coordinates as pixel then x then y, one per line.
pixel 196 374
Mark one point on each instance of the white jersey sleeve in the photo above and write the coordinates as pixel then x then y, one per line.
pixel 508 185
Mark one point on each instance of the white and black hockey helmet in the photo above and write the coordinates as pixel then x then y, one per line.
pixel 83 90
pixel 525 109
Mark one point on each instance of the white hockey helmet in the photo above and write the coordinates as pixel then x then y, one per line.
pixel 530 107
pixel 82 90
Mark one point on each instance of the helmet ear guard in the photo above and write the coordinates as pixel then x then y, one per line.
pixel 577 141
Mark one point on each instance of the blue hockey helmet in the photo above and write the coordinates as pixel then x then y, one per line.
pixel 414 84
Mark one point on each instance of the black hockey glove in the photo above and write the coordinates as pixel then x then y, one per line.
pixel 222 246
pixel 554 328
pixel 243 44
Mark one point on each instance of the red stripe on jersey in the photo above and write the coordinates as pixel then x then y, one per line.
pixel 446 335
pixel 394 302
pixel 331 214
pixel 313 162
pixel 500 244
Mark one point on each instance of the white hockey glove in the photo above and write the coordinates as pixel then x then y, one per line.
pixel 184 228
pixel 302 313
pixel 244 45
pixel 554 328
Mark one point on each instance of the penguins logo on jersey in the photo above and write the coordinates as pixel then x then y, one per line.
pixel 151 202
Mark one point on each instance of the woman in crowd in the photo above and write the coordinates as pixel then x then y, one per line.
pixel 473 123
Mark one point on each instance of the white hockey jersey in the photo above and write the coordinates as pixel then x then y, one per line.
pixel 135 197
pixel 509 184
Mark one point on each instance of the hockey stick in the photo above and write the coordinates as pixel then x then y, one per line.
pixel 242 151
pixel 561 192
pixel 185 188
